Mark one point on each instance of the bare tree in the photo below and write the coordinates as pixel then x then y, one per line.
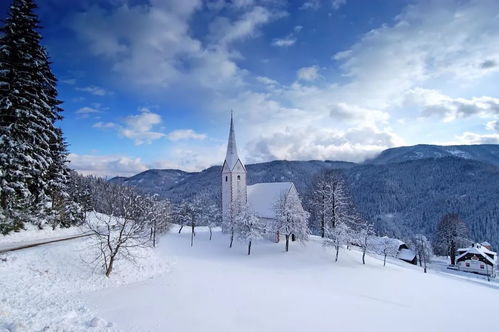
pixel 363 236
pixel 122 228
pixel 159 216
pixel 337 237
pixel 330 200
pixel 387 247
pixel 423 250
pixel 248 227
pixel 451 232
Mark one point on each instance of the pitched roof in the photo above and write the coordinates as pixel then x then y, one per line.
pixel 262 197
pixel 231 157
pixel 482 251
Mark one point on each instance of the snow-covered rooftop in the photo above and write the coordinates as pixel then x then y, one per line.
pixel 262 197
pixel 479 250
pixel 406 254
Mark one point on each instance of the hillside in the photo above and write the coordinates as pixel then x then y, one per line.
pixel 402 190
pixel 209 287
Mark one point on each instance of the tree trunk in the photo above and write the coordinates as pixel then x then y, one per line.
pixel 337 252
pixel 154 238
pixel 384 261
pixel 363 256
pixel 231 238
pixel 180 229
pixel 109 268
pixel 210 233
pixel 249 248
pixel 452 253
pixel 287 242
pixel 192 234
pixel 323 228
pixel 293 237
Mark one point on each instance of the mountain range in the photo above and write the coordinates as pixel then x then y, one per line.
pixel 402 191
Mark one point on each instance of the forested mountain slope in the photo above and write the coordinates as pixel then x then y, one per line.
pixel 488 153
pixel 402 190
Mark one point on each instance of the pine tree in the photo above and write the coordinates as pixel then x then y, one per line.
pixel 33 153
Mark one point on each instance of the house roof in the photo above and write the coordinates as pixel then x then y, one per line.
pixel 479 251
pixel 406 254
pixel 262 197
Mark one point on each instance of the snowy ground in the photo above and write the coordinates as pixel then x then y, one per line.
pixel 210 287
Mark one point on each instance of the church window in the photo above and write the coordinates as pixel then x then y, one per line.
pixel 239 177
pixel 226 178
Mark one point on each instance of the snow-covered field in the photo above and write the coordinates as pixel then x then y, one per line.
pixel 210 287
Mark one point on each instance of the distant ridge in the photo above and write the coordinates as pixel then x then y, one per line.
pixel 402 191
pixel 488 153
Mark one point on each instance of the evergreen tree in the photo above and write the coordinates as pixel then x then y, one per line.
pixel 34 173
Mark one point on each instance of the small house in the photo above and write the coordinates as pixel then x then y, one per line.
pixel 477 259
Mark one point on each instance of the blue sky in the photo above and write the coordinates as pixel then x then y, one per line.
pixel 150 84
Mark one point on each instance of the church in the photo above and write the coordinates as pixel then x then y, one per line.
pixel 260 197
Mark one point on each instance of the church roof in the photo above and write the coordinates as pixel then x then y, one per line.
pixel 262 197
pixel 231 157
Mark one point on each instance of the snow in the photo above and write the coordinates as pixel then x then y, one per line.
pixel 210 287
pixel 33 234
pixel 42 288
pixel 262 197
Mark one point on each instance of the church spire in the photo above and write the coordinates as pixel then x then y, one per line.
pixel 231 157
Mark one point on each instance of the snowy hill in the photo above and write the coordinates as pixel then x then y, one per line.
pixel 487 153
pixel 210 287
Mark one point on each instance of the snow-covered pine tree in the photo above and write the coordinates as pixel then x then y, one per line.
pixel 29 139
pixel 291 219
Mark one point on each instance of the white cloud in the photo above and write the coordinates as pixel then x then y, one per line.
pixel 355 144
pixel 85 112
pixel 284 42
pixel 104 125
pixel 185 134
pixel 338 3
pixel 139 127
pixel 266 80
pixel 434 102
pixel 170 54
pixel 106 166
pixel 94 90
pixel 308 73
pixel 474 138
pixel 493 125
pixel 311 4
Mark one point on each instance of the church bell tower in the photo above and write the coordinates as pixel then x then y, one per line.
pixel 234 193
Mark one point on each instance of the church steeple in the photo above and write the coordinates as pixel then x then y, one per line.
pixel 234 194
pixel 231 156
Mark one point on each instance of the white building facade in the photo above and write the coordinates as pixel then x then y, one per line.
pixel 261 198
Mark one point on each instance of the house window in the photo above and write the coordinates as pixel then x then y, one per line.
pixel 226 178
pixel 482 266
pixel 238 177
pixel 467 264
